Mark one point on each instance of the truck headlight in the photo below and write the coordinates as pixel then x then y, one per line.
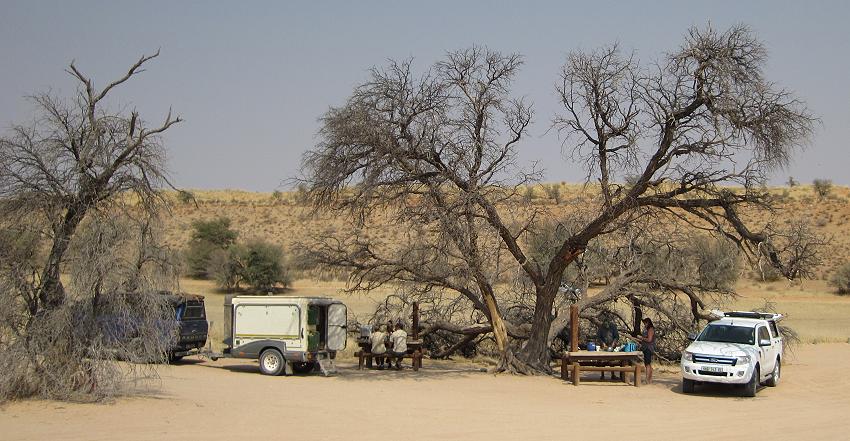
pixel 687 356
pixel 743 360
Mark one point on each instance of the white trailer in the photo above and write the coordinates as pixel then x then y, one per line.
pixel 285 334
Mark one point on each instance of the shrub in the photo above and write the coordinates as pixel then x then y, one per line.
pixel 791 182
pixel 822 187
pixel 185 196
pixel 263 266
pixel 216 232
pixel 207 237
pixel 553 192
pixel 224 267
pixel 528 195
pixel 841 279
pixel 257 264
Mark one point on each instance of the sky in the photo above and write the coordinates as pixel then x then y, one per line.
pixel 252 78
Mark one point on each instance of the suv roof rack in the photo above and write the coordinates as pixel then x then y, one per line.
pixel 753 315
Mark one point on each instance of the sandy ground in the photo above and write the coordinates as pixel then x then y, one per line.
pixel 229 399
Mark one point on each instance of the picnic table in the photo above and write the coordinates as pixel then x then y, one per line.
pixel 573 363
pixel 414 352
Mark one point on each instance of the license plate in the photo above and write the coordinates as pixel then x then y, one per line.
pixel 712 369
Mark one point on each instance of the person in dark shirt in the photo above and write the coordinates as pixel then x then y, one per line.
pixel 607 336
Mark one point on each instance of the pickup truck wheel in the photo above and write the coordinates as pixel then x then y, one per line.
pixel 303 367
pixel 774 379
pixel 687 386
pixel 752 386
pixel 272 362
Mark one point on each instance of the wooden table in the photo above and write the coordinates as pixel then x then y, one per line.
pixel 365 356
pixel 596 361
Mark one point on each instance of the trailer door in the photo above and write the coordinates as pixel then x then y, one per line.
pixel 337 327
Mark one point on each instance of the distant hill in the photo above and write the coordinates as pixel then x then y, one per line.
pixel 283 217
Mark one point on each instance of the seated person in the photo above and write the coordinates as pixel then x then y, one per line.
pixel 607 335
pixel 398 340
pixel 379 345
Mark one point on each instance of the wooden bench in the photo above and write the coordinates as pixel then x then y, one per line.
pixel 576 369
pixel 365 358
pixel 600 361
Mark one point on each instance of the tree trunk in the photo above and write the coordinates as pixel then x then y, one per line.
pixel 535 353
pixel 51 293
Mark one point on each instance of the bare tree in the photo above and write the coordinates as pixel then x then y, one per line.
pixel 80 194
pixel 437 152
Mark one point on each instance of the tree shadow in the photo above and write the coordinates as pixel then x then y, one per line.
pixel 348 372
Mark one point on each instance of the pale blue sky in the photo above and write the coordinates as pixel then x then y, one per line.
pixel 251 78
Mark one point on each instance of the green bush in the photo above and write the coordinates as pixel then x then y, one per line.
pixel 216 232
pixel 263 266
pixel 841 279
pixel 822 187
pixel 207 237
pixel 257 264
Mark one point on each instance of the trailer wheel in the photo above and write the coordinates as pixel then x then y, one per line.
pixel 272 362
pixel 303 367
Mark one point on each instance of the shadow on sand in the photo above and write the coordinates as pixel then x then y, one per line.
pixel 348 372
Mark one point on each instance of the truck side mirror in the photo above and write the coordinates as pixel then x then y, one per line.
pixel 764 342
pixel 692 336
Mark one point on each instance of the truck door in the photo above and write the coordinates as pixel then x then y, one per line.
pixel 767 354
pixel 337 327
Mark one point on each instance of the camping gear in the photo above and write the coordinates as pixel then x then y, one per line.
pixel 630 347
pixel 591 346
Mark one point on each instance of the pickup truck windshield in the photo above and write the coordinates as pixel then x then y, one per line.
pixel 728 334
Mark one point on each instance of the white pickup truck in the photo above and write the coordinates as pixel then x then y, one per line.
pixel 743 348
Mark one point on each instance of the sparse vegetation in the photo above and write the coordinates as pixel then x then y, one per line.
pixel 822 187
pixel 841 279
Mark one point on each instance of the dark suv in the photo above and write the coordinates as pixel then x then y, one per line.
pixel 192 320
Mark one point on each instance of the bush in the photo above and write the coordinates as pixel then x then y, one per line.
pixel 718 262
pixel 257 264
pixel 185 196
pixel 216 232
pixel 841 279
pixel 822 187
pixel 224 267
pixel 553 192
pixel 263 266
pixel 207 237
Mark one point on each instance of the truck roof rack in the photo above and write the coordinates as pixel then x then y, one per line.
pixel 753 315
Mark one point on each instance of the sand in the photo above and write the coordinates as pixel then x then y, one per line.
pixel 229 399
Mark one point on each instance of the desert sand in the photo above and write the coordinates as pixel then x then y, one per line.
pixel 229 399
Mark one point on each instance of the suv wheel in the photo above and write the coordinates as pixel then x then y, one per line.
pixel 774 378
pixel 752 386
pixel 172 359
pixel 272 362
pixel 687 386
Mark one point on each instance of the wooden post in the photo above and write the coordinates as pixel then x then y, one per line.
pixel 564 368
pixel 415 321
pixel 637 374
pixel 576 373
pixel 573 328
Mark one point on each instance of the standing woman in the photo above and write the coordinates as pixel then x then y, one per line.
pixel 648 346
